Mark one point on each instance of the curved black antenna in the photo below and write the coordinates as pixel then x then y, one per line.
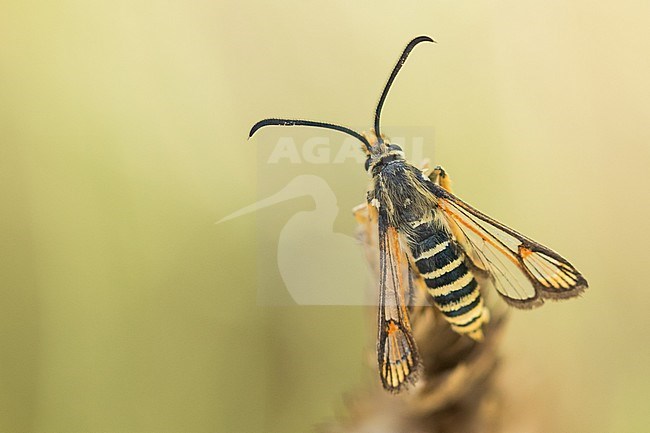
pixel 295 122
pixel 396 69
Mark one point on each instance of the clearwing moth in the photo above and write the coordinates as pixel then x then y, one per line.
pixel 449 245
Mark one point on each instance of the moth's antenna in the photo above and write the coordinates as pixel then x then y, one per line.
pixel 396 69
pixel 295 122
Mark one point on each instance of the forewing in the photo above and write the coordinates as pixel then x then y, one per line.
pixel 524 272
pixel 396 351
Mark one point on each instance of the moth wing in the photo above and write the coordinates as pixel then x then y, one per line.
pixel 524 272
pixel 397 353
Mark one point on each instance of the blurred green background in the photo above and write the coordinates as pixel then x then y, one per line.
pixel 123 132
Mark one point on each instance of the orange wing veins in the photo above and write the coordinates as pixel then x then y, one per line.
pixel 456 218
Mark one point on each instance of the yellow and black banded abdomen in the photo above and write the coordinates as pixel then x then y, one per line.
pixel 451 284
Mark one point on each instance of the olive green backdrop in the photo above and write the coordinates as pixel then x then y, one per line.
pixel 123 131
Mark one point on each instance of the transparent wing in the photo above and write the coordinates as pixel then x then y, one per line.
pixel 523 271
pixel 396 351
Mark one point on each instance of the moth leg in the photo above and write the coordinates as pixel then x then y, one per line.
pixel 361 213
pixel 440 177
pixel 366 216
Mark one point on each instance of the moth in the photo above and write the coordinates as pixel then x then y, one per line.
pixel 444 241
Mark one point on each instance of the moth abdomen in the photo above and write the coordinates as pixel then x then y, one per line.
pixel 450 283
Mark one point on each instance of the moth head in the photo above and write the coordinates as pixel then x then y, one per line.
pixel 380 150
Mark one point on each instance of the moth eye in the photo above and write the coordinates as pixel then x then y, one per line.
pixel 367 164
pixel 394 147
